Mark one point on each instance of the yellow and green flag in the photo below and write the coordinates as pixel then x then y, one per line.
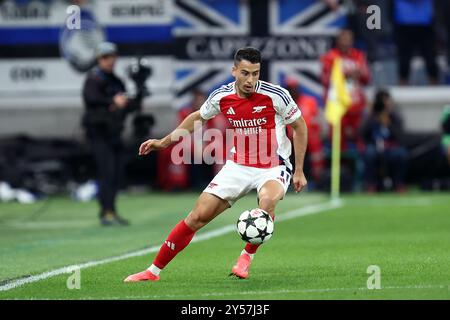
pixel 338 101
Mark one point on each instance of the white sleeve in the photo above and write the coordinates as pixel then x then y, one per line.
pixel 210 108
pixel 286 107
pixel 291 112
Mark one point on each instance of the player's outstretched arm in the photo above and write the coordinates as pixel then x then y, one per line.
pixel 185 128
pixel 300 141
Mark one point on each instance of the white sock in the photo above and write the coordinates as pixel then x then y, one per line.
pixel 154 269
pixel 249 254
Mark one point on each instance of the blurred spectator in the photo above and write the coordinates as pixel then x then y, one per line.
pixel 447 9
pixel 372 41
pixel 196 175
pixel 171 176
pixel 367 39
pixel 357 18
pixel 357 76
pixel 201 174
pixel 413 27
pixel 311 114
pixel 446 132
pixel 445 12
pixel 106 107
pixel 384 153
pixel 179 176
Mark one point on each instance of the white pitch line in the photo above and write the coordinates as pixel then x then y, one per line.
pixel 311 209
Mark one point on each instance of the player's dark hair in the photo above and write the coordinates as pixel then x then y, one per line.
pixel 250 54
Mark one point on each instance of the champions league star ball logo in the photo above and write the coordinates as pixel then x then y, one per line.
pixel 79 38
pixel 255 226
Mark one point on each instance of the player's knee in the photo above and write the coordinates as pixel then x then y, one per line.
pixel 198 217
pixel 268 200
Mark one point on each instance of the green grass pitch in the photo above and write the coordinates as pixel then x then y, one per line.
pixel 319 256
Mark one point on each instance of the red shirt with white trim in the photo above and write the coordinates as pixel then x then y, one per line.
pixel 258 122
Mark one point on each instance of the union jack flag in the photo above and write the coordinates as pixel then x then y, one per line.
pixel 291 35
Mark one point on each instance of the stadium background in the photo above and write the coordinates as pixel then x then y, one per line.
pixel 188 45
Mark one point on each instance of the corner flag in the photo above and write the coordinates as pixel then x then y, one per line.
pixel 338 101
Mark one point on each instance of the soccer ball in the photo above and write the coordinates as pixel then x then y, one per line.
pixel 255 226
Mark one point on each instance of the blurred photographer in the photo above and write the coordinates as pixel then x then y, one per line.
pixel 106 107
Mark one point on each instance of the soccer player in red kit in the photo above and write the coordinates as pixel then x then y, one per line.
pixel 257 111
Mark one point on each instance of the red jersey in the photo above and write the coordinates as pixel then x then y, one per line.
pixel 258 122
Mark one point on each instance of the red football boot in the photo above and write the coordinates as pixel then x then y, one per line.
pixel 142 276
pixel 241 267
